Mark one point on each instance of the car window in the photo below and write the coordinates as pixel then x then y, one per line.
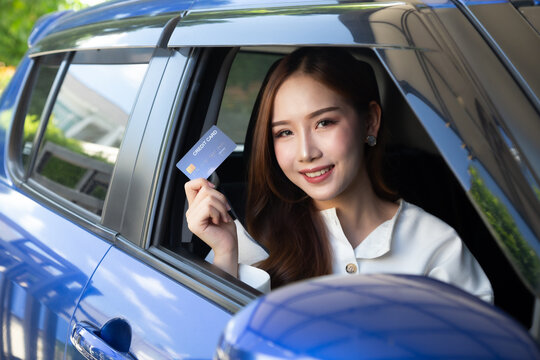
pixel 413 165
pixel 238 93
pixel 45 75
pixel 84 130
pixel 245 78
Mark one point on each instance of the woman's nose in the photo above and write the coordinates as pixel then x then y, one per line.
pixel 308 149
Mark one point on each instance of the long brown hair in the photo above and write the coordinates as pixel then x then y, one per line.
pixel 279 214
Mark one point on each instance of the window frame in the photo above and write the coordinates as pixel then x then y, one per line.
pixel 144 242
pixel 20 175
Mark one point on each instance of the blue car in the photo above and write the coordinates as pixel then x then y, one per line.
pixel 97 262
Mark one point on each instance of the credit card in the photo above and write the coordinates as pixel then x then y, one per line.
pixel 207 154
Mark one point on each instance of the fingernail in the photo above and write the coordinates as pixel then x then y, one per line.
pixel 211 185
pixel 228 207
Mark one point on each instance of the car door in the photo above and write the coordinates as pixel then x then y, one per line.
pixel 163 297
pixel 43 274
pixel 164 312
pixel 62 152
pixel 67 109
pixel 450 94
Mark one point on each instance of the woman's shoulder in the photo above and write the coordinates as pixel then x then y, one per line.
pixel 414 219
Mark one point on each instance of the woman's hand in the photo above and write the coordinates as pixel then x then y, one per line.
pixel 208 218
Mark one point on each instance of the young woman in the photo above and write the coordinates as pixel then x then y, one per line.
pixel 316 198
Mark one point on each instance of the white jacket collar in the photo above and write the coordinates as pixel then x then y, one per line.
pixel 376 244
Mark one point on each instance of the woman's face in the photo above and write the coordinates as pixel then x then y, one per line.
pixel 318 138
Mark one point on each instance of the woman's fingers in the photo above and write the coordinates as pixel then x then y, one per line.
pixel 208 218
pixel 193 187
pixel 209 206
pixel 210 196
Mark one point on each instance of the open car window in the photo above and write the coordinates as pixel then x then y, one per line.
pixel 413 165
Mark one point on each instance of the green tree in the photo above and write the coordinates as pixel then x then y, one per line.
pixel 17 20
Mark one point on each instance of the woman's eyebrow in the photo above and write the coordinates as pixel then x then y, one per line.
pixel 310 116
pixel 278 123
pixel 322 111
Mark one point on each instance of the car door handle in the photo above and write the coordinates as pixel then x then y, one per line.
pixel 86 340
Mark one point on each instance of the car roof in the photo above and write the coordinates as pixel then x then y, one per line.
pixel 141 23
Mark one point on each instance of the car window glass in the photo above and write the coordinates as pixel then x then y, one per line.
pixel 44 79
pixel 85 129
pixel 245 78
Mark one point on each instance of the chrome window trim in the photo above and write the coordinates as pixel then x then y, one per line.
pixel 204 279
pixel 344 24
pixel 139 32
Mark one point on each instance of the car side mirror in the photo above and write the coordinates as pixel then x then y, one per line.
pixel 373 316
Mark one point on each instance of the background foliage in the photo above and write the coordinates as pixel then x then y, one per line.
pixel 16 22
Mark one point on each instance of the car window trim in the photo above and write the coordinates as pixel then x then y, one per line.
pixel 46 113
pixel 195 273
pixel 204 279
pixel 23 177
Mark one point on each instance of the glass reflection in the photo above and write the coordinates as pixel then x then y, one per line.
pixel 42 87
pixel 510 232
pixel 85 131
pixel 36 302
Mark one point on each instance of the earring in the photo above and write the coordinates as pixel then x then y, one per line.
pixel 371 140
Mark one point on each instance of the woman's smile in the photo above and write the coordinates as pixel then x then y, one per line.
pixel 318 174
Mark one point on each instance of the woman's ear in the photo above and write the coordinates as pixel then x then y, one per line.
pixel 373 121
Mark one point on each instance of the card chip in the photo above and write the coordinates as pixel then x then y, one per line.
pixel 190 168
pixel 207 154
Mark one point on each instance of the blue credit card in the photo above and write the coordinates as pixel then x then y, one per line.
pixel 207 154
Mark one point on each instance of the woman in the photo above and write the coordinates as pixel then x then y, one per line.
pixel 316 198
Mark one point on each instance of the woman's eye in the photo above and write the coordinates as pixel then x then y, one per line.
pixel 283 133
pixel 324 123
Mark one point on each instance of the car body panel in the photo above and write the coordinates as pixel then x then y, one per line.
pixel 168 321
pixel 120 10
pixel 481 118
pixel 44 272
pixel 373 317
pixel 43 26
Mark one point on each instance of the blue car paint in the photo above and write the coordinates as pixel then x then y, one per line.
pixel 46 264
pixel 374 317
pixel 41 288
pixel 46 260
pixel 43 25
pixel 168 321
pixel 118 10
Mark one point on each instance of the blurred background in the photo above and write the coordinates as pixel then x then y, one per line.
pixel 16 22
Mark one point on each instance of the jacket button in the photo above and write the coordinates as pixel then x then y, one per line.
pixel 351 268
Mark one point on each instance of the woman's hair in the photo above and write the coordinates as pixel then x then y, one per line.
pixel 279 214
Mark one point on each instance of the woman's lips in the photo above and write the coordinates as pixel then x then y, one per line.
pixel 318 174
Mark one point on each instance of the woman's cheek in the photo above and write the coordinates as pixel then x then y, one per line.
pixel 284 155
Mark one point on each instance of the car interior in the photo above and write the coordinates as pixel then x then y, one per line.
pixel 413 165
